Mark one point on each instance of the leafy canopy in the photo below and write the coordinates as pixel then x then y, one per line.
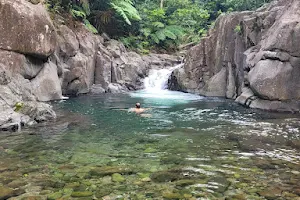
pixel 151 24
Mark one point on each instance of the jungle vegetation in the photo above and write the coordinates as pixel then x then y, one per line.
pixel 147 25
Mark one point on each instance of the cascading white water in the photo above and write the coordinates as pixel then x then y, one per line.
pixel 158 79
pixel 156 91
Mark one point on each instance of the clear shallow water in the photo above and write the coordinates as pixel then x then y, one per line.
pixel 187 147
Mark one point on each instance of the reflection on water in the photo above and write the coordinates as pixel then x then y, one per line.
pixel 191 148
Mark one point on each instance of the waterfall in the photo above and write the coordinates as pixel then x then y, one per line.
pixel 158 79
pixel 156 89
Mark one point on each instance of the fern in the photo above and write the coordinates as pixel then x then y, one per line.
pixel 170 34
pixel 78 13
pixel 154 38
pixel 161 34
pixel 177 30
pixel 86 6
pixel 146 31
pixel 121 12
pixel 158 24
pixel 126 10
pixel 89 26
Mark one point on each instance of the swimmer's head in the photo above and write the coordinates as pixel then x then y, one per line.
pixel 138 105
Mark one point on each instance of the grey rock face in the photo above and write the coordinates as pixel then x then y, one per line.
pixel 26 28
pixel 257 64
pixel 46 85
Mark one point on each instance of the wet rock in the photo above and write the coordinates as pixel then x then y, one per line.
pixel 109 170
pixel 146 179
pixel 271 193
pixel 16 184
pixel 294 143
pixel 82 194
pixel 6 192
pixel 164 176
pixel 117 178
pixel 264 164
pixel 185 182
pixel 171 195
pixel 104 191
pixel 55 196
pixel 221 182
pixel 34 198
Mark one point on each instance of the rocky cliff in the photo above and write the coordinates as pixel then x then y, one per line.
pixel 43 59
pixel 252 57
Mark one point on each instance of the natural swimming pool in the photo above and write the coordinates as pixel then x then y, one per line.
pixel 190 148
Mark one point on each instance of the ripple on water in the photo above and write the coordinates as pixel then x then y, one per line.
pixel 200 148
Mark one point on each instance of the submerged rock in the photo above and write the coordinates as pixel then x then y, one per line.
pixel 82 194
pixel 117 178
pixel 109 170
pixel 271 193
pixel 164 176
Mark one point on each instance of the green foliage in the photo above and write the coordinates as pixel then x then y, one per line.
pixel 89 26
pixel 238 29
pixel 78 12
pixel 144 25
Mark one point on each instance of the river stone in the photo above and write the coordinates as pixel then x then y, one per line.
pixel 164 176
pixel 34 198
pixel 26 28
pixel 54 196
pixel 109 170
pixel 82 194
pixel 116 177
pixel 271 193
pixel 6 192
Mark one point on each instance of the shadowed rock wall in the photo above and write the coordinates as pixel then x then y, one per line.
pixel 252 57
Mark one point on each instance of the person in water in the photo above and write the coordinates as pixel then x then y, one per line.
pixel 138 109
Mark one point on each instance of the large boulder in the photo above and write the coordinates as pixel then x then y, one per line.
pixel 222 48
pixel 77 57
pixel 46 85
pixel 18 105
pixel 26 28
pixel 253 57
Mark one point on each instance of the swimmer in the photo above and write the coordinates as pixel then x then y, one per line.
pixel 138 109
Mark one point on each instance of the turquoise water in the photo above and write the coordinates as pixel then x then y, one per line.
pixel 185 147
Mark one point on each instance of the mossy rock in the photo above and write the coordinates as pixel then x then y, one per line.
pixel 172 159
pixel 171 195
pixel 82 194
pixel 118 178
pixel 54 196
pixel 150 150
pixel 164 176
pixel 109 170
pixel 33 198
pixel 104 191
pixel 72 185
pixel 6 192
pixel 185 182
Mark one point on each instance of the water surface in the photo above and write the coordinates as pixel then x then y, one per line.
pixel 187 147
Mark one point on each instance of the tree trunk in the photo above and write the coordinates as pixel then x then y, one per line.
pixel 161 4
